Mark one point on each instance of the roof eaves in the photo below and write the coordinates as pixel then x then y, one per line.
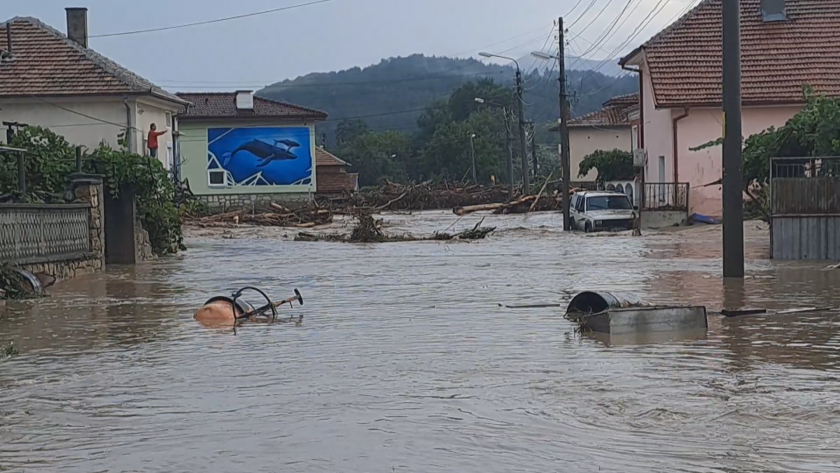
pixel 133 82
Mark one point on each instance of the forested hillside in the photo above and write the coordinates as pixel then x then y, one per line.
pixel 393 94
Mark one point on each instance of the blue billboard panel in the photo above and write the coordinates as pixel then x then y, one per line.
pixel 278 156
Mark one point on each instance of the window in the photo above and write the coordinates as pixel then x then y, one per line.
pixel 217 178
pixel 612 202
pixel 168 120
pixel 580 204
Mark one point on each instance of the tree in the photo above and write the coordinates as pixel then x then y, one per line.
pixel 378 155
pixel 611 165
pixel 462 101
pixel 349 130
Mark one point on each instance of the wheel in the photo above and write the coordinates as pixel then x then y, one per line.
pixel 588 228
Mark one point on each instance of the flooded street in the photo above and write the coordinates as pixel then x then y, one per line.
pixel 406 362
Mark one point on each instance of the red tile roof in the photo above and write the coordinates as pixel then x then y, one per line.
pixel 223 105
pixel 325 158
pixel 44 62
pixel 616 113
pixel 778 58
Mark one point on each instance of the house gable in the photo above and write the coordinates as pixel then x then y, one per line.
pixel 779 58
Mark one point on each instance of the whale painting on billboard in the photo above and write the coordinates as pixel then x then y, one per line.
pixel 268 156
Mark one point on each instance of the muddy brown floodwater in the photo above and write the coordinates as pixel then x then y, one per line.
pixel 406 362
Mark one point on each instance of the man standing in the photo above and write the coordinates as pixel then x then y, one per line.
pixel 152 141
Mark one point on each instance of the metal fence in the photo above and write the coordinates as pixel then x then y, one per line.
pixel 805 208
pixel 665 196
pixel 34 233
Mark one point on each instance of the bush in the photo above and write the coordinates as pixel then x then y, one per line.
pixel 51 159
pixel 153 189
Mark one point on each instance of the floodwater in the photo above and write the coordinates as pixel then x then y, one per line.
pixel 406 362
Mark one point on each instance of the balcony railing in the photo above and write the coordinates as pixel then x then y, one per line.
pixel 666 196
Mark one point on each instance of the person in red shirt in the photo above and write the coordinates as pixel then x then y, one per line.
pixel 152 141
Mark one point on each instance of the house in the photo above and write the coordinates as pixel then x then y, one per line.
pixel 239 151
pixel 332 176
pixel 56 81
pixel 785 45
pixel 606 129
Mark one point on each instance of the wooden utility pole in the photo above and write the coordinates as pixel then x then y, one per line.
pixel 564 129
pixel 534 159
pixel 733 166
pixel 510 155
pixel 523 149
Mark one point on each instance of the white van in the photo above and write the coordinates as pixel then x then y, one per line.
pixel 598 211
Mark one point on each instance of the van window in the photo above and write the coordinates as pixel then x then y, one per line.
pixel 580 204
pixel 608 202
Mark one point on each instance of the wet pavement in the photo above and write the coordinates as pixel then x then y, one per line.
pixel 406 362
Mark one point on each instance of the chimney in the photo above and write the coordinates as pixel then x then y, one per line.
pixel 773 10
pixel 77 25
pixel 245 100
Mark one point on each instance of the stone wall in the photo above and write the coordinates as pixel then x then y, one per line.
pixel 228 203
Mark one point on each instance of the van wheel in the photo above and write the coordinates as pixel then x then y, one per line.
pixel 588 228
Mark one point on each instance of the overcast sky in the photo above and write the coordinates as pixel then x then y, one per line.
pixel 252 52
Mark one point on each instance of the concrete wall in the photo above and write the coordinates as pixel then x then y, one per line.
pixel 584 141
pixel 663 218
pixel 194 168
pixel 66 117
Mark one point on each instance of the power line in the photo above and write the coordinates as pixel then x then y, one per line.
pixel 607 5
pixel 609 29
pixel 208 22
pixel 591 4
pixel 641 27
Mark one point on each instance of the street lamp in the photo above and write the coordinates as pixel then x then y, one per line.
pixel 543 56
pixel 564 133
pixel 520 106
pixel 507 141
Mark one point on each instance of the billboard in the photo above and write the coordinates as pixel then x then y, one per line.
pixel 269 156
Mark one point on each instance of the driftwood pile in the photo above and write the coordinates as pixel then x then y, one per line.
pixel 278 216
pixel 367 230
pixel 425 196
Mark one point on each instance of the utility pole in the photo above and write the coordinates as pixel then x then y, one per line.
pixel 534 160
pixel 564 129
pixel 510 155
pixel 733 166
pixel 472 153
pixel 523 149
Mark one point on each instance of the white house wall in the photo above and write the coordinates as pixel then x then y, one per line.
pixel 76 128
pixel 90 121
pixel 658 140
pixel 585 141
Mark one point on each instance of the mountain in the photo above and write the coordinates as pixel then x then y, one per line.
pixel 394 93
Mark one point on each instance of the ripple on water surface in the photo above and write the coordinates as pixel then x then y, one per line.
pixel 405 361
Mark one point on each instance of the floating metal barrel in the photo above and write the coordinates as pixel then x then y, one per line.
pixel 590 302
